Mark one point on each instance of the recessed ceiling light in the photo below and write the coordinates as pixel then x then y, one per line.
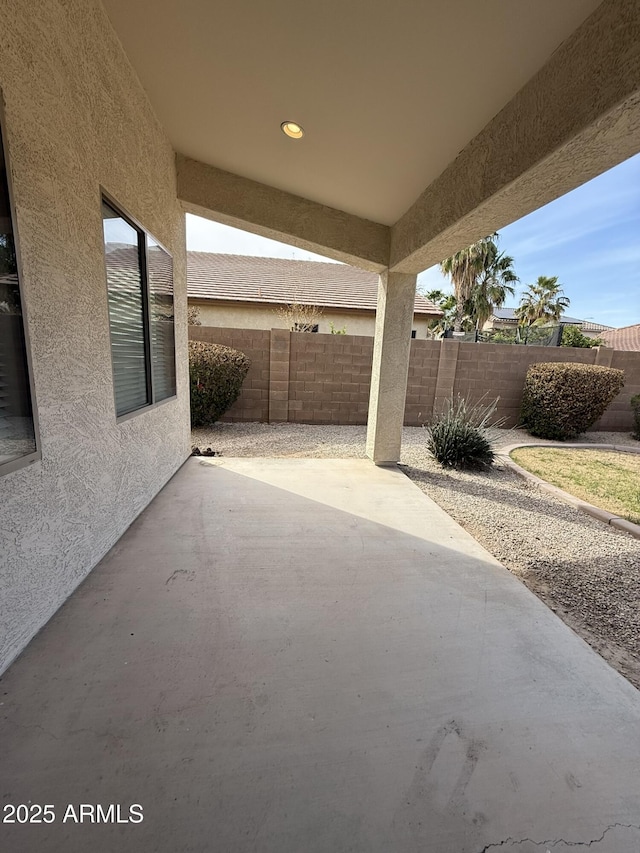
pixel 290 128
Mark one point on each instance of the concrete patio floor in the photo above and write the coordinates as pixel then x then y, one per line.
pixel 309 656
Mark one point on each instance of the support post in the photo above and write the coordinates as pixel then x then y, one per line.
pixel 392 345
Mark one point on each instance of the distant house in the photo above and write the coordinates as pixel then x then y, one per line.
pixel 505 318
pixel 237 291
pixel 627 338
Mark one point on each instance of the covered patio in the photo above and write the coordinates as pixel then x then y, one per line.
pixel 310 655
pixel 290 656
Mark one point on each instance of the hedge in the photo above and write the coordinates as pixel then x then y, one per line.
pixel 216 373
pixel 635 408
pixel 562 400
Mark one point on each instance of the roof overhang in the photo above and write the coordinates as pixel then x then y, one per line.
pixel 413 148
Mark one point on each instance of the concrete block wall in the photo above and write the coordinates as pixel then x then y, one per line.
pixel 279 362
pixel 253 403
pixel 499 370
pixel 325 379
pixel 329 378
pixel 617 416
pixel 424 365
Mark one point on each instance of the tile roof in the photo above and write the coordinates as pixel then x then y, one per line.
pixel 508 315
pixel 627 338
pixel 588 326
pixel 282 281
pixel 123 267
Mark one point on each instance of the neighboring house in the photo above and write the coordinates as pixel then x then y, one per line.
pixel 627 338
pixel 505 318
pixel 237 291
pixel 593 330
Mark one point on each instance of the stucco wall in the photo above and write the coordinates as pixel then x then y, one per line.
pixel 252 316
pixel 77 118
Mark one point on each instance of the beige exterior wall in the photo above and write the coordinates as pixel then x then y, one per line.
pixel 255 316
pixel 498 324
pixel 76 119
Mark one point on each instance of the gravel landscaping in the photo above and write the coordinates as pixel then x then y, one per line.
pixel 585 571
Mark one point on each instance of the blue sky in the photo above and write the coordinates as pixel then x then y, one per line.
pixel 589 238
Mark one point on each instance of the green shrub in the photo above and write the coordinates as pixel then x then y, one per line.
pixel 216 374
pixel 635 408
pixel 499 336
pixel 461 436
pixel 572 337
pixel 562 400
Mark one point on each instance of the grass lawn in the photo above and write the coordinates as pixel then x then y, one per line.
pixel 606 479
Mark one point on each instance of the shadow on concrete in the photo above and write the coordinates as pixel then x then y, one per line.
pixel 309 655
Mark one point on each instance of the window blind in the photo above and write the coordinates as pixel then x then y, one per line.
pixel 163 355
pixel 17 428
pixel 141 321
pixel 127 313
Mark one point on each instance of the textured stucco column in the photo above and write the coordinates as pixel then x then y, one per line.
pixel 394 317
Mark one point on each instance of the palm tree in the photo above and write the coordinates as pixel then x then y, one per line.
pixel 542 302
pixel 494 284
pixel 481 276
pixel 463 269
pixel 446 302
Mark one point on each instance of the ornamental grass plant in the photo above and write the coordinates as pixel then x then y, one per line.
pixel 463 436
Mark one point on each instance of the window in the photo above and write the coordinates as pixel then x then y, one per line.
pixel 140 291
pixel 413 333
pixel 17 423
pixel 305 327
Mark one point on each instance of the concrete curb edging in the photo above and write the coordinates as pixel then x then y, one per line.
pixel 595 512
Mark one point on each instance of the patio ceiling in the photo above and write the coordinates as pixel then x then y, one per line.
pixel 390 95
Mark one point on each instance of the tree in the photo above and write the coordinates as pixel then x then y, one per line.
pixel 542 302
pixel 573 337
pixel 7 255
pixel 9 293
pixel 463 269
pixel 494 284
pixel 300 317
pixel 481 276
pixel 446 302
